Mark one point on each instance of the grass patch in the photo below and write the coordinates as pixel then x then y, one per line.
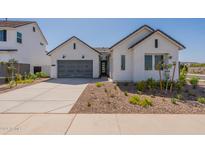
pixel 99 84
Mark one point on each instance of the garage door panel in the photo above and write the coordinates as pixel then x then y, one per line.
pixel 75 68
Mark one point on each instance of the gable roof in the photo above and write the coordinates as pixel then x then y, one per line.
pixel 162 33
pixel 49 53
pixel 140 28
pixel 15 24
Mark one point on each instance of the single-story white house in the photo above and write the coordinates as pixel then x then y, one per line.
pixel 133 58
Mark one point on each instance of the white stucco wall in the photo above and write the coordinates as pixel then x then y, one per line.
pixel 71 54
pixel 148 47
pixel 134 67
pixel 30 51
pixel 122 49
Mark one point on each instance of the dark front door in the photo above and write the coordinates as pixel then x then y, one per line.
pixel 103 68
pixel 36 69
pixel 75 68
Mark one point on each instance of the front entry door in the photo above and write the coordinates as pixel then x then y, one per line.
pixel 103 68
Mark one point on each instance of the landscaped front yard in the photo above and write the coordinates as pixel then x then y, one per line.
pixel 108 97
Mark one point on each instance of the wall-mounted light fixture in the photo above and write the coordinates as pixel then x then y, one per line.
pixel 63 56
pixel 83 56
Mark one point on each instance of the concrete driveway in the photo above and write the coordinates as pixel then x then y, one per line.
pixel 53 96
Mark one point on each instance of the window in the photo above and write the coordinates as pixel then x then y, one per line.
pixel 2 35
pixel 122 62
pixel 148 62
pixel 74 46
pixel 156 43
pixel 34 29
pixel 19 37
pixel 159 59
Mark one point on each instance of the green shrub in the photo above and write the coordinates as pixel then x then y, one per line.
pixel 18 77
pixel 201 100
pixel 194 81
pixel 141 86
pixel 134 99
pixel 146 102
pixel 151 84
pixel 32 76
pixel 41 75
pixel 173 100
pixel 99 84
pixel 12 83
pixel 137 101
pixel 126 93
pixel 179 97
pixel 25 81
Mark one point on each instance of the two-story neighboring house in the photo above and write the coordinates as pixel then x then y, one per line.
pixel 24 42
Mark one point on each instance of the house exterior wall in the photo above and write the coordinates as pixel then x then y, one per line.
pixel 122 49
pixel 148 47
pixel 134 63
pixel 71 54
pixel 30 51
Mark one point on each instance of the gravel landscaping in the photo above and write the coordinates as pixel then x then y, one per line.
pixel 109 97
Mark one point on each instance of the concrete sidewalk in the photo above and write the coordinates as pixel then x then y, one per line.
pixel 101 124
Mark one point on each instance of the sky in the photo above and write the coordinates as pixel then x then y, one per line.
pixel 102 32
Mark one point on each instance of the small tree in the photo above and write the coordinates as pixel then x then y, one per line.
pixel 11 69
pixel 172 80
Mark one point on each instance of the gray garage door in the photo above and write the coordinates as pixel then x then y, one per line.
pixel 75 68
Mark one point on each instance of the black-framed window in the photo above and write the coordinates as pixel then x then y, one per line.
pixel 122 62
pixel 159 60
pixel 34 29
pixel 3 35
pixel 156 43
pixel 148 62
pixel 19 37
pixel 74 46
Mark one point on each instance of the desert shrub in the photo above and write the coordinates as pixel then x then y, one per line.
pixel 194 81
pixel 25 81
pixel 179 97
pixel 105 90
pixel 173 100
pixel 141 86
pixel 151 83
pixel 115 87
pixel 32 76
pixel 12 83
pixel 99 84
pixel 134 99
pixel 41 75
pixel 145 102
pixel 137 101
pixel 18 77
pixel 201 100
pixel 126 93
pixel 198 65
pixel 182 77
